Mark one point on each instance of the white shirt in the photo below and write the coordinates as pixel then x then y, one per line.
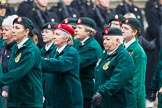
pixel 21 43
pixel 60 49
pixel 48 47
pixel 129 43
pixel 82 42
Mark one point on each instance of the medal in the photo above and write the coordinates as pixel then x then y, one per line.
pixel 18 58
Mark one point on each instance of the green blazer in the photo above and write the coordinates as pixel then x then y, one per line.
pixel 64 88
pixel 24 77
pixel 89 53
pixel 47 54
pixel 156 83
pixel 140 61
pixel 114 75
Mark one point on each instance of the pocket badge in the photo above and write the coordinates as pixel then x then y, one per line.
pixel 18 58
pixel 106 65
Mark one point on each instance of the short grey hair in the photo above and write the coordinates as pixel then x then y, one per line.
pixel 8 21
pixel 68 36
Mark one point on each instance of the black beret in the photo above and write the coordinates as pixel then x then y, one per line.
pixel 49 25
pixel 71 21
pixel 133 22
pixel 87 22
pixel 117 17
pixel 26 22
pixel 112 31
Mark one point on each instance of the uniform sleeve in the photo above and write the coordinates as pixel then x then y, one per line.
pixel 62 64
pixel 23 67
pixel 88 57
pixel 139 74
pixel 120 77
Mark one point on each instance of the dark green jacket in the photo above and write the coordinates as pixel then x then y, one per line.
pixel 114 74
pixel 64 87
pixel 46 54
pixel 24 76
pixel 140 61
pixel 1 98
pixel 89 55
pixel 2 42
pixel 156 83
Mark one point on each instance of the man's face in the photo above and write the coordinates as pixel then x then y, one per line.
pixel 43 3
pixel 115 24
pixel 80 32
pixel 109 43
pixel 47 35
pixel 127 32
pixel 103 3
pixel 2 12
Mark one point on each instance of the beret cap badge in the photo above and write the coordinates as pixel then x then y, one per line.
pixel 66 20
pixel 19 19
pixel 106 30
pixel 79 21
pixel 127 20
pixel 49 26
pixel 116 17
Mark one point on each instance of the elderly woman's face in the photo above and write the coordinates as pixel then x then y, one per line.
pixel 109 43
pixel 7 33
pixel 59 39
pixel 19 32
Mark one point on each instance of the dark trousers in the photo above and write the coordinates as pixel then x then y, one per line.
pixel 87 103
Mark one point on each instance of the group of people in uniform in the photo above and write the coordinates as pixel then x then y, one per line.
pixel 79 54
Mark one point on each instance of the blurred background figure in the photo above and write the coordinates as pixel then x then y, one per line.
pixel 101 14
pixel 37 11
pixel 127 6
pixel 64 10
pixel 6 9
pixel 84 7
pixel 153 14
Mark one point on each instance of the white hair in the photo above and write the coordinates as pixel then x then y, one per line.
pixel 121 39
pixel 8 21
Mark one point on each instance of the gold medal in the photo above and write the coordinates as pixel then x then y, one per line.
pixel 106 65
pixel 18 58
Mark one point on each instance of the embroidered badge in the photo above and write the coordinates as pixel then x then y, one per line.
pixel 106 65
pixel 18 58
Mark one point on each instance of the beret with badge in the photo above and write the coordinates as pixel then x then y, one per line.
pixel 71 21
pixel 65 28
pixel 133 22
pixel 86 22
pixel 117 17
pixel 112 31
pixel 49 25
pixel 26 22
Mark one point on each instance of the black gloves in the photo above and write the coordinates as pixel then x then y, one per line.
pixel 96 99
pixel 152 96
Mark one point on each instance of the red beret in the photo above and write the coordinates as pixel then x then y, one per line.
pixel 65 28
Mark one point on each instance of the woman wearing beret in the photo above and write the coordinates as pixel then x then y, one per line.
pixel 47 32
pixel 64 89
pixel 131 28
pixel 24 69
pixel 114 73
